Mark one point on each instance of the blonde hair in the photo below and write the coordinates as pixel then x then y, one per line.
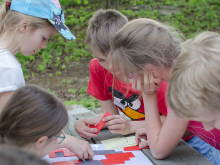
pixel 102 27
pixel 144 41
pixel 10 20
pixel 195 79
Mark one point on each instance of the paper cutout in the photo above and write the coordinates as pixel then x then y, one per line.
pixel 67 162
pixel 133 148
pixel 66 153
pixel 120 142
pixel 112 161
pixel 101 123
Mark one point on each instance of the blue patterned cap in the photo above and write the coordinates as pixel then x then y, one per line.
pixel 46 9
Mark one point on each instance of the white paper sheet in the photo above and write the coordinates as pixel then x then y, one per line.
pixel 139 159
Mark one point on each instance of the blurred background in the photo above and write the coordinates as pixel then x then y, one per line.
pixel 63 67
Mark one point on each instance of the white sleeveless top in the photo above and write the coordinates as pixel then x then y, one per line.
pixel 11 75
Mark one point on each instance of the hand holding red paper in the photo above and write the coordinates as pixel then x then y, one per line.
pixel 118 124
pixel 81 127
pixel 141 134
pixel 101 122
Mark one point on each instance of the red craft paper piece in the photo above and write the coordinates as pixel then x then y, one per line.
pixel 77 161
pixel 118 155
pixel 59 163
pixel 52 154
pixel 134 148
pixel 66 153
pixel 67 162
pixel 101 123
pixel 112 161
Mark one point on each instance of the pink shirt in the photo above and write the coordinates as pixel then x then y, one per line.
pixel 212 137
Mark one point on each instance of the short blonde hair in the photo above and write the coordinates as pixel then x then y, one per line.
pixel 144 41
pixel 195 79
pixel 10 20
pixel 102 27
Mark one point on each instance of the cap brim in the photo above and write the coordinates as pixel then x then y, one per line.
pixel 63 29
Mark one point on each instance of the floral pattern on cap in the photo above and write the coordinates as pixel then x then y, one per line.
pixel 57 3
pixel 58 21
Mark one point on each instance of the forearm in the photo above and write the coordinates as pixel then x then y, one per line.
pixel 162 139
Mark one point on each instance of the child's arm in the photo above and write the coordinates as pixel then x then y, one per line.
pixel 81 148
pixel 81 126
pixel 4 96
pixel 161 139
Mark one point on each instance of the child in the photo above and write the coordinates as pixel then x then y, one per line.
pixel 112 91
pixel 196 75
pixel 33 120
pixel 146 50
pixel 25 26
pixel 13 156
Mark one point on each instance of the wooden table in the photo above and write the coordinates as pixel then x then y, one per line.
pixel 183 154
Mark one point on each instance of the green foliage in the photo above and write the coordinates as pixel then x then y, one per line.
pixel 53 92
pixel 73 91
pixel 58 73
pixel 83 89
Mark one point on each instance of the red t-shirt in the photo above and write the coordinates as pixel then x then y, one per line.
pixel 104 86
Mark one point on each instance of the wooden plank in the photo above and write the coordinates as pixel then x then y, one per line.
pixel 183 154
pixel 104 135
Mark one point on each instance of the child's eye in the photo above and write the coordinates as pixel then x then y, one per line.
pixel 44 38
pixel 101 60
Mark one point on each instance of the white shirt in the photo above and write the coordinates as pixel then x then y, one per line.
pixel 11 75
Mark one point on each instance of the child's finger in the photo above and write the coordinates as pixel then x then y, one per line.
pixel 90 153
pixel 90 130
pixel 139 85
pixel 115 127
pixel 87 135
pixel 90 122
pixel 113 122
pixel 112 117
pixel 143 144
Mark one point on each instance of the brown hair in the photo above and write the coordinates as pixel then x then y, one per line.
pixel 102 27
pixel 31 113
pixel 144 41
pixel 13 156
pixel 195 79
pixel 10 20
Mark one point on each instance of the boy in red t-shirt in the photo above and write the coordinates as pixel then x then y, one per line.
pixel 110 86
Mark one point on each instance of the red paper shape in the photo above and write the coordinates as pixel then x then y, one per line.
pixel 112 161
pixel 59 163
pixel 66 153
pixel 101 123
pixel 77 161
pixel 52 154
pixel 132 148
pixel 67 162
pixel 120 155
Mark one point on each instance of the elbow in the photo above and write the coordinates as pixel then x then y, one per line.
pixel 159 155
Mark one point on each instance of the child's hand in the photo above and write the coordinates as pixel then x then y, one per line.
pixel 81 127
pixel 118 124
pixel 141 134
pixel 81 148
pixel 148 84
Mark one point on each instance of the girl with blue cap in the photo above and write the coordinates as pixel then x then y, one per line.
pixel 26 26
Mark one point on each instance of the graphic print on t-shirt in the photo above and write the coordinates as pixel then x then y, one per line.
pixel 129 106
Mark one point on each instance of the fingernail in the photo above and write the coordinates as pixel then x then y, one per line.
pixel 96 130
pixel 141 146
pixel 103 120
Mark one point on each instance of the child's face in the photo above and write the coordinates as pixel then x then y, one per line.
pixel 36 40
pixel 105 62
pixel 210 120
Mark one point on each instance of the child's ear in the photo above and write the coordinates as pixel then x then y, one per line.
pixel 41 142
pixel 23 26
